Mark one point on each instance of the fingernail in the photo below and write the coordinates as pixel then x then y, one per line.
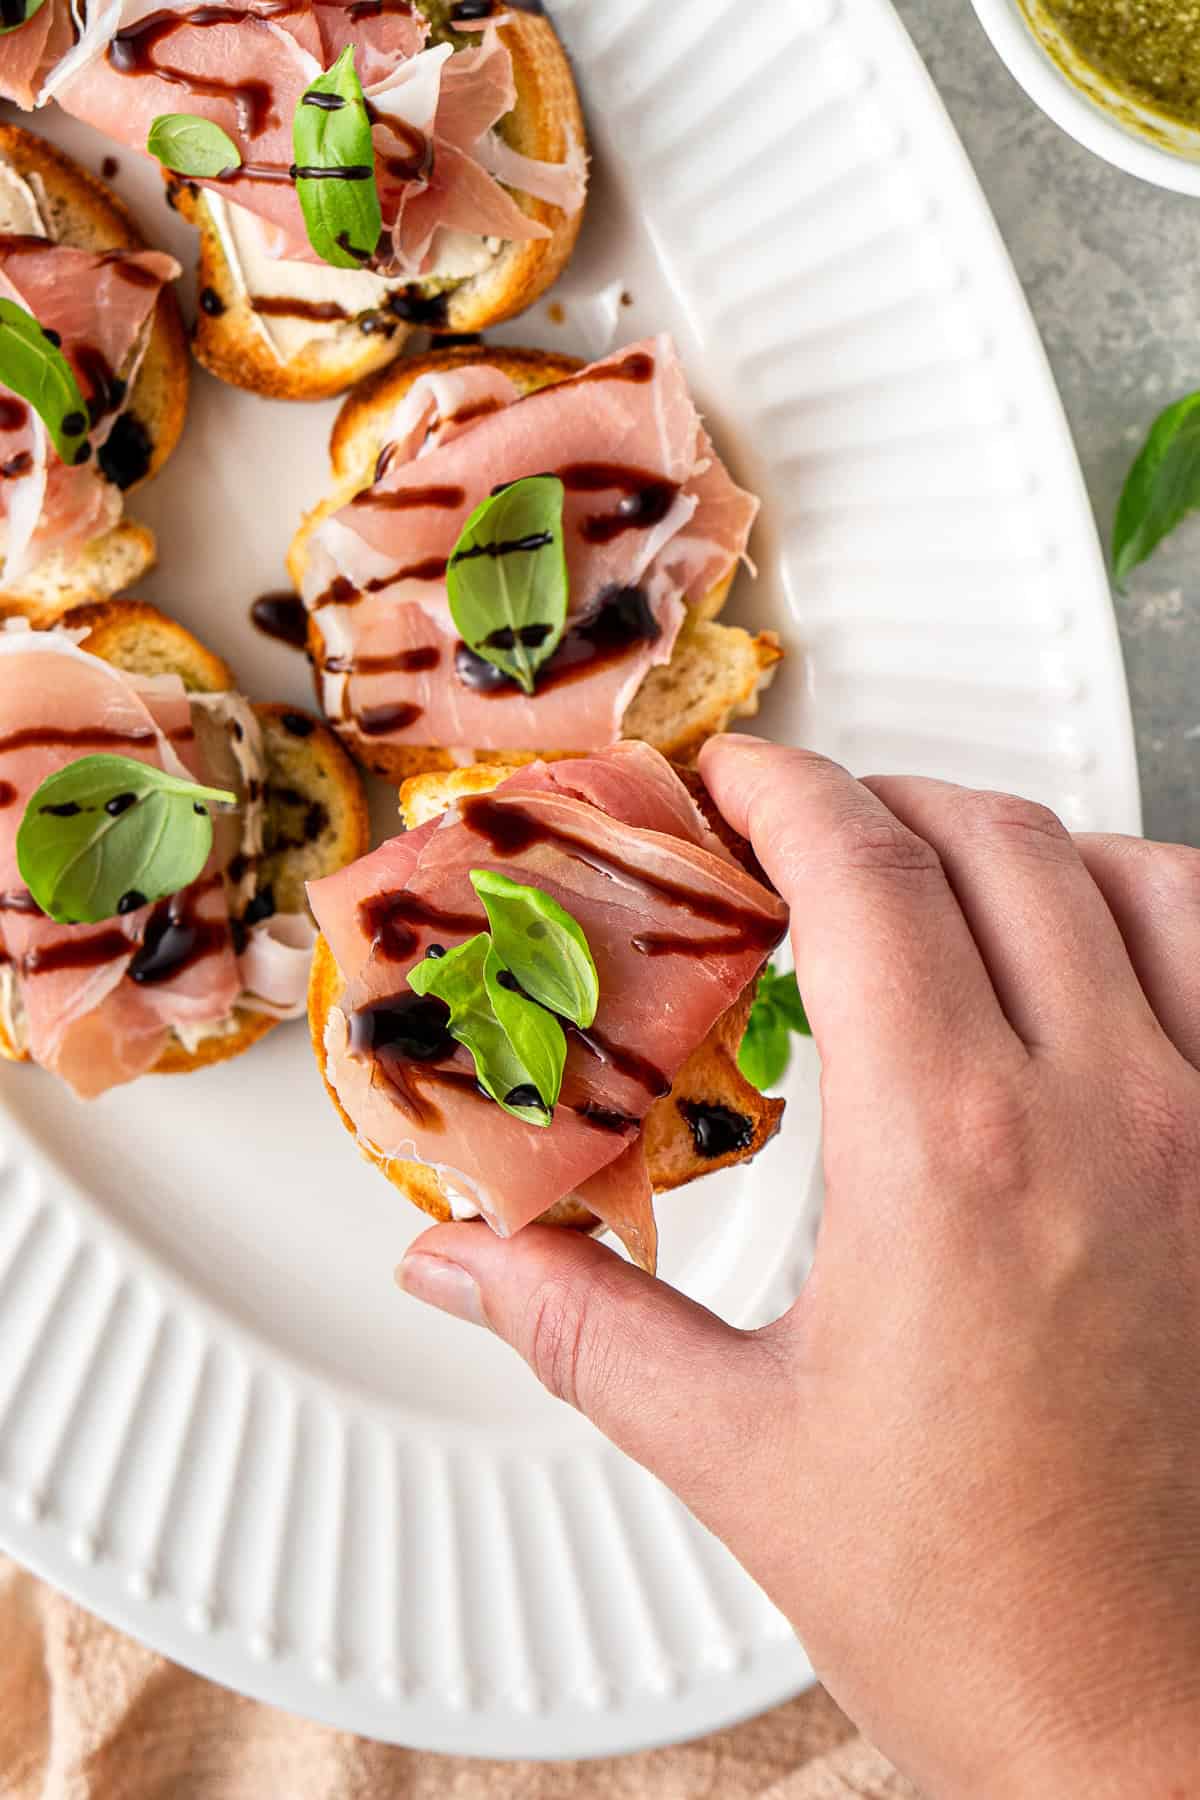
pixel 443 1284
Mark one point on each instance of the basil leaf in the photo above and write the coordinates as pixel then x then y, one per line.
pixel 31 7
pixel 192 146
pixel 106 834
pixel 782 994
pixel 765 1049
pixel 460 979
pixel 38 371
pixel 542 944
pixel 777 1013
pixel 335 167
pixel 1162 487
pixel 535 1034
pixel 507 578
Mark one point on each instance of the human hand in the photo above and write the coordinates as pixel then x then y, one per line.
pixel 966 1463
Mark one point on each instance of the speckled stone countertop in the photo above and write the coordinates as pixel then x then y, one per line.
pixel 1109 265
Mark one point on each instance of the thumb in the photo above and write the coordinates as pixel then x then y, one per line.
pixel 662 1377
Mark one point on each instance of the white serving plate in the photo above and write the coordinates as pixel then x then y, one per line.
pixel 220 1424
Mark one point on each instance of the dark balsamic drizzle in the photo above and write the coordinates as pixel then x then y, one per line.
pixel 8 793
pixel 716 1130
pixel 394 921
pixel 298 724
pixel 409 499
pixel 13 413
pixel 404 662
pixel 281 616
pixel 132 52
pixel 125 455
pixel 621 619
pixel 291 306
pixel 413 1025
pixel 211 303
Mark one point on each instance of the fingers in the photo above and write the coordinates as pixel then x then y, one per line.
pixel 1153 893
pixel 1050 943
pixel 667 1381
pixel 890 976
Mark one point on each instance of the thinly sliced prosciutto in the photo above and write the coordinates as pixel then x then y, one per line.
pixel 441 164
pixel 97 1003
pixel 653 522
pixel 677 928
pixel 100 306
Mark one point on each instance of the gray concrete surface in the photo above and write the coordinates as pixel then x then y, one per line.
pixel 1110 268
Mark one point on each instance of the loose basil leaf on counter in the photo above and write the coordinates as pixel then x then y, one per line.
pixel 460 979
pixel 37 370
pixel 542 944
pixel 26 8
pixel 777 1013
pixel 1162 486
pixel 191 145
pixel 107 834
pixel 335 167
pixel 507 578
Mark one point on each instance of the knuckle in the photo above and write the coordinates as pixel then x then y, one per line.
pixel 1021 822
pixel 1173 872
pixel 564 1343
pixel 1162 1122
pixel 877 844
pixel 992 1129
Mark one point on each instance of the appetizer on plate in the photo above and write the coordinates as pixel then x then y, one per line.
pixel 355 170
pixel 93 380
pixel 522 556
pixel 530 1004
pixel 138 933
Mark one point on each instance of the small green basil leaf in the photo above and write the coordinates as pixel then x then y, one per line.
pixel 535 1034
pixel 765 1050
pixel 107 834
pixel 507 578
pixel 30 7
pixel 192 146
pixel 782 994
pixel 542 944
pixel 335 167
pixel 38 371
pixel 460 979
pixel 1162 486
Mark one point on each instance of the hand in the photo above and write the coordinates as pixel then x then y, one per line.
pixel 967 1462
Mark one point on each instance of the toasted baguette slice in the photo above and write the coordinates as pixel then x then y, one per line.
pixel 716 674
pixel 709 1077
pixel 545 123
pixel 316 810
pixel 84 213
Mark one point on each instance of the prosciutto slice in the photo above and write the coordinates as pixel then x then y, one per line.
pixel 440 163
pixel 84 1018
pixel 677 928
pixel 100 306
pixel 653 522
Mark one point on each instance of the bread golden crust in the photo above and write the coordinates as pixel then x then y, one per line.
pixel 716 675
pixel 135 636
pixel 709 1077
pixel 546 121
pixel 86 214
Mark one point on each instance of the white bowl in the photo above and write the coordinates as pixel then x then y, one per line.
pixel 1172 162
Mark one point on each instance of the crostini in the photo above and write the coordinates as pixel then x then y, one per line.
pixel 626 644
pixel 110 358
pixel 530 1004
pixel 355 171
pixel 162 982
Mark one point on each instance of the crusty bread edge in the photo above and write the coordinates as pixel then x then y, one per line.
pixel 108 624
pixel 711 1073
pixel 97 218
pixel 354 447
pixel 546 120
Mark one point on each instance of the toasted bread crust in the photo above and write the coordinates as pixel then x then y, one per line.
pixel 717 673
pixel 133 635
pixel 86 214
pixel 710 1075
pixel 545 122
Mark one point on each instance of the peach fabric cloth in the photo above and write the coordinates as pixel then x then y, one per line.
pixel 87 1714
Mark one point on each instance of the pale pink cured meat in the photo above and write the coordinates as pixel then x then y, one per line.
pixel 85 1020
pixel 28 53
pixel 99 305
pixel 677 929
pixel 244 66
pixel 376 576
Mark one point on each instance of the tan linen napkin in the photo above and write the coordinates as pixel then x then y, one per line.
pixel 87 1714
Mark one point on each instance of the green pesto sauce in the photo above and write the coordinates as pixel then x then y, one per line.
pixel 1147 49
